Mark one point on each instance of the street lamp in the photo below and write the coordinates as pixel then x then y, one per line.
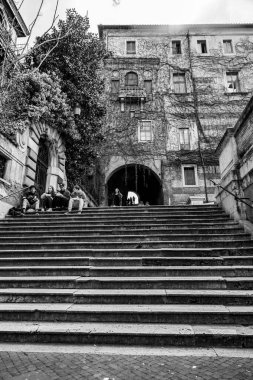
pixel 77 109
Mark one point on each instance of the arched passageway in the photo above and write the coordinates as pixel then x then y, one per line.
pixel 139 179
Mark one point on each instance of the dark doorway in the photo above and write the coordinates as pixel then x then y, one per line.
pixel 139 179
pixel 42 166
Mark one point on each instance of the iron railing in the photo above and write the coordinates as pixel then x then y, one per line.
pixel 239 199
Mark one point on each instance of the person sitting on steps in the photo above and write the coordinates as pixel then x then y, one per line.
pixel 79 197
pixel 47 199
pixel 31 200
pixel 61 199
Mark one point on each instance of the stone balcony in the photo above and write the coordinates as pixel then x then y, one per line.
pixel 132 93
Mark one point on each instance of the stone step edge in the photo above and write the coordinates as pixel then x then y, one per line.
pixel 128 334
pixel 132 267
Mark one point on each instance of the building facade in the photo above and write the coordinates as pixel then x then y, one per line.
pixel 38 154
pixel 171 92
pixel 235 152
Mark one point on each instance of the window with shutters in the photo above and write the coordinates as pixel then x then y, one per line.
pixel 227 46
pixel 233 84
pixel 189 175
pixel 176 47
pixel 179 83
pixel 148 86
pixel 131 79
pixel 145 131
pixel 202 48
pixel 184 136
pixel 114 86
pixel 131 47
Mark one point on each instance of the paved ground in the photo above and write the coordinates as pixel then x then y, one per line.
pixel 22 363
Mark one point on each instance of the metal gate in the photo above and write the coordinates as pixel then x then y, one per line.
pixel 42 166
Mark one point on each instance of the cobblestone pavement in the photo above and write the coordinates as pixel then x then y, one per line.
pixel 53 366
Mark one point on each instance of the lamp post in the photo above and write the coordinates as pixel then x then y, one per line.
pixel 77 109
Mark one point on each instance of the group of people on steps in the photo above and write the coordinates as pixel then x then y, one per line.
pixel 61 199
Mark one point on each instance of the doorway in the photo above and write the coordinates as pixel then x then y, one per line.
pixel 138 179
pixel 42 166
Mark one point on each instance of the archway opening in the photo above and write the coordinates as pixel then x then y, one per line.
pixel 42 165
pixel 138 179
pixel 132 198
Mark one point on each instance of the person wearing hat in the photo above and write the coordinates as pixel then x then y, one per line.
pixel 62 196
pixel 31 200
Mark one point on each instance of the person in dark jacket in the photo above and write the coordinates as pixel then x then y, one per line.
pixel 61 199
pixel 117 198
pixel 47 199
pixel 31 200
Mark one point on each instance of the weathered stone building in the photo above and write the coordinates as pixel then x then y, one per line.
pixel 38 155
pixel 171 92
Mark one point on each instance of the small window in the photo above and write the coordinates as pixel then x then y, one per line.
pixel 148 86
pixel 190 175
pixel 179 83
pixel 202 48
pixel 131 79
pixel 233 84
pixel 131 47
pixel 145 131
pixel 176 47
pixel 3 162
pixel 227 46
pixel 184 135
pixel 114 86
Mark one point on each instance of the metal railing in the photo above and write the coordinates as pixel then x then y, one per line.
pixel 239 199
pixel 16 192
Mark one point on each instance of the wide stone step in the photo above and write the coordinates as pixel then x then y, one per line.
pixel 125 261
pixel 132 243
pixel 127 253
pixel 121 272
pixel 85 229
pixel 193 335
pixel 45 232
pixel 72 282
pixel 200 314
pixel 127 296
pixel 122 238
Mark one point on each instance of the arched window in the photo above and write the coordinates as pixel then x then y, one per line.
pixel 131 79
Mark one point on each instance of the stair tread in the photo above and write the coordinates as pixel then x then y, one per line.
pixel 144 268
pixel 117 308
pixel 125 328
pixel 126 292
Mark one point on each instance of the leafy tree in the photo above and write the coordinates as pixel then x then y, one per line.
pixel 76 60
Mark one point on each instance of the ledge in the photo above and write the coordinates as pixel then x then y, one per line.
pixel 5 182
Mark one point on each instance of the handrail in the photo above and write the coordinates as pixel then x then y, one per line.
pixel 234 195
pixel 16 192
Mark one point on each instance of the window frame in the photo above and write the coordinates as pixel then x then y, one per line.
pixel 172 49
pixel 151 87
pixel 139 131
pixel 189 139
pixel 195 174
pixel 179 74
pixel 114 81
pixel 199 42
pixel 5 165
pixel 236 90
pixel 232 46
pixel 135 44
pixel 128 85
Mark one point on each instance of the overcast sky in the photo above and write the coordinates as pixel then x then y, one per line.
pixel 142 12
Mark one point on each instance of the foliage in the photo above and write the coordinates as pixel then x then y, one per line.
pixel 30 97
pixel 76 60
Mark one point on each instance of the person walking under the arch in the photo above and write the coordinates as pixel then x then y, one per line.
pixel 61 199
pixel 31 200
pixel 79 198
pixel 47 199
pixel 117 198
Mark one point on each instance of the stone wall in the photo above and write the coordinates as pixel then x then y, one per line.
pixel 236 162
pixel 169 111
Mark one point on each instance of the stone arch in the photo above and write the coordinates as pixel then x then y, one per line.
pixel 138 178
pixel 56 149
pixel 131 79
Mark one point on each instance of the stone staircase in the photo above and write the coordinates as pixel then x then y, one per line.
pixel 158 275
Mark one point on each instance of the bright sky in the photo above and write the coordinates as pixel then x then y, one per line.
pixel 142 12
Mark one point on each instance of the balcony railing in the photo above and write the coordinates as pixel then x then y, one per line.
pixel 132 92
